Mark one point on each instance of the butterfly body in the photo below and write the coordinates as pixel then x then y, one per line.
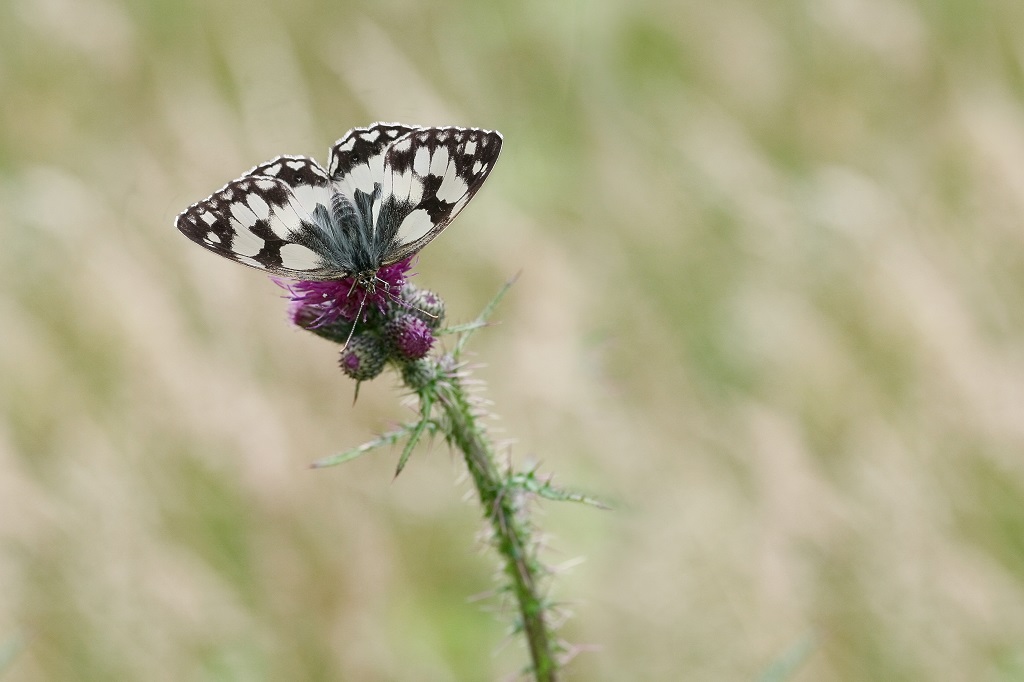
pixel 388 190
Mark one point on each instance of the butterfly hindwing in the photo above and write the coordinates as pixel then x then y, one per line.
pixel 429 176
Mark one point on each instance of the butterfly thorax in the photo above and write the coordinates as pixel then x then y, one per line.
pixel 368 281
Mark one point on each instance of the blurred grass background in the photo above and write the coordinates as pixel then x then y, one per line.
pixel 771 305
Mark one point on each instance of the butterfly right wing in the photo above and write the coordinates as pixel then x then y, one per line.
pixel 357 159
pixel 429 177
pixel 274 218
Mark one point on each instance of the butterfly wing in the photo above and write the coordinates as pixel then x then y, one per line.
pixel 275 218
pixel 429 176
pixel 357 159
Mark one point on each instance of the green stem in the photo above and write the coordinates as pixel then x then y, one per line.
pixel 512 534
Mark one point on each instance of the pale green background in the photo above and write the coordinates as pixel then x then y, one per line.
pixel 772 263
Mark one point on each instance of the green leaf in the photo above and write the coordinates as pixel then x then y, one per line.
pixel 481 319
pixel 389 438
pixel 531 483
pixel 426 404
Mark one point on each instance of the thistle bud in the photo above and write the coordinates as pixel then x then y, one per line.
pixel 364 357
pixel 424 304
pixel 408 336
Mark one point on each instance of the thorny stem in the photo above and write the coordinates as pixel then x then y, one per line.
pixel 512 536
pixel 446 408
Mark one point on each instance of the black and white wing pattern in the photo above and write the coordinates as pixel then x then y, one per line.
pixel 358 157
pixel 429 176
pixel 267 219
pixel 389 189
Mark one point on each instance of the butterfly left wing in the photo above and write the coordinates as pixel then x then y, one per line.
pixel 307 181
pixel 274 218
pixel 429 176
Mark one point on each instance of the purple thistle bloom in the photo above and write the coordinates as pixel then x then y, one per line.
pixel 316 304
pixel 409 336
pixel 424 304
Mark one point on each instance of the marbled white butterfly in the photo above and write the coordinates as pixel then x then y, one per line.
pixel 388 190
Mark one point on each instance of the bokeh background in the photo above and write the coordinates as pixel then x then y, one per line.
pixel 772 263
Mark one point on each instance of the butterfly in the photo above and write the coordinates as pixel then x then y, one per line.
pixel 388 190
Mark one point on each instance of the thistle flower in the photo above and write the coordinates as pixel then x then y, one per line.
pixel 316 304
pixel 418 373
pixel 364 357
pixel 408 336
pixel 424 304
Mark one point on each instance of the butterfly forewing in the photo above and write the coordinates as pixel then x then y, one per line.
pixel 429 176
pixel 266 219
pixel 308 183
pixel 296 171
pixel 357 160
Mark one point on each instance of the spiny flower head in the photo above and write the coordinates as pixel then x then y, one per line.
pixel 418 373
pixel 364 357
pixel 408 336
pixel 316 304
pixel 424 304
pixel 375 320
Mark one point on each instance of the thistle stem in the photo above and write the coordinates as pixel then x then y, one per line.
pixel 445 407
pixel 512 535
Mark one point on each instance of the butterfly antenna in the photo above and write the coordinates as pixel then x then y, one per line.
pixel 355 321
pixel 386 285
pixel 402 302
